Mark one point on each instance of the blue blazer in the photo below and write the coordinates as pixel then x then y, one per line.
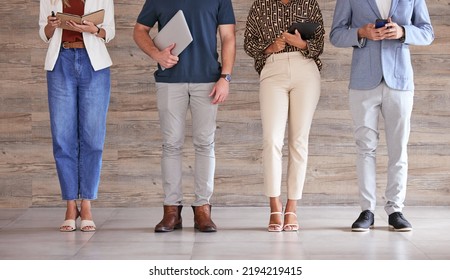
pixel 389 59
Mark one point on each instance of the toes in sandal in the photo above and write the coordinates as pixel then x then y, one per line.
pixel 275 227
pixel 87 225
pixel 68 226
pixel 290 227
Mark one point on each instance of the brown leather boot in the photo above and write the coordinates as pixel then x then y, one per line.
pixel 202 218
pixel 171 219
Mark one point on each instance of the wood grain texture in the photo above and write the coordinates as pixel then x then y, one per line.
pixel 131 168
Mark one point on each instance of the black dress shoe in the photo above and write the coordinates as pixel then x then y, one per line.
pixel 364 222
pixel 171 219
pixel 398 222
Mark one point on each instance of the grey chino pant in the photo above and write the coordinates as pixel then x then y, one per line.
pixel 395 106
pixel 174 100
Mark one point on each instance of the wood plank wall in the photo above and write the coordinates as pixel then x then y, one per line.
pixel 131 172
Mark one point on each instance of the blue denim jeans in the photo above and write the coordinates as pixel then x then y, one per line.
pixel 78 99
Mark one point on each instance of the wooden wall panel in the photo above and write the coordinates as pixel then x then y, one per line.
pixel 131 170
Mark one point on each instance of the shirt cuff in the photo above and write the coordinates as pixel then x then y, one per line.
pixel 362 43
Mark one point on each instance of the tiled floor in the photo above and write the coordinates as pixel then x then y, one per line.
pixel 127 234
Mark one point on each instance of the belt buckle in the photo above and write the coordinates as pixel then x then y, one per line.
pixel 64 45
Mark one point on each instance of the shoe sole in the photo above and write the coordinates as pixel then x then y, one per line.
pixel 178 226
pixel 210 229
pixel 399 229
pixel 290 230
pixel 362 229
pixel 87 230
pixel 68 230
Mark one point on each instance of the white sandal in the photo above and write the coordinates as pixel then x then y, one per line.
pixel 290 227
pixel 87 225
pixel 275 227
pixel 68 226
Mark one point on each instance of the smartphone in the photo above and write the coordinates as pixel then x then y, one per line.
pixel 380 23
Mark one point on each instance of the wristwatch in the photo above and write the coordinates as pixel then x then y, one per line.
pixel 227 77
pixel 402 39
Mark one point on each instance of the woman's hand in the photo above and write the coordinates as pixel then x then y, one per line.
pixel 52 23
pixel 276 46
pixel 295 40
pixel 87 26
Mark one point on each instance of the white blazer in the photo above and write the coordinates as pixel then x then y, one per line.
pixel 95 46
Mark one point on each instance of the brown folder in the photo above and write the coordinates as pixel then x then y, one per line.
pixel 96 17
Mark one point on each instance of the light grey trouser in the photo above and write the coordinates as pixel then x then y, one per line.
pixel 173 100
pixel 395 107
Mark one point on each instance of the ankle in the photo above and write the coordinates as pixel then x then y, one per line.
pixel 85 210
pixel 291 206
pixel 275 205
pixel 72 214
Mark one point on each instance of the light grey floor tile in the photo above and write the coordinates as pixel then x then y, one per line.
pixel 135 250
pixel 433 247
pixel 128 233
pixel 9 214
pixel 248 250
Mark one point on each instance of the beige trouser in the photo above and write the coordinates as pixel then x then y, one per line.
pixel 289 92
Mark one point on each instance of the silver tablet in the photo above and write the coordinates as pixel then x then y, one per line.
pixel 175 31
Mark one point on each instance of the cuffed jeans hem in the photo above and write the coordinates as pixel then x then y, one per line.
pixel 80 198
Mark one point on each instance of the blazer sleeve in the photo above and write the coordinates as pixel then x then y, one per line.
pixel 419 31
pixel 342 35
pixel 109 24
pixel 44 12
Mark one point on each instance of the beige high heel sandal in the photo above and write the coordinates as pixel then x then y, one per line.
pixel 87 225
pixel 290 227
pixel 68 226
pixel 275 227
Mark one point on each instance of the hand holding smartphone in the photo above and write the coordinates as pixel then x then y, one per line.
pixel 380 22
pixel 52 19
